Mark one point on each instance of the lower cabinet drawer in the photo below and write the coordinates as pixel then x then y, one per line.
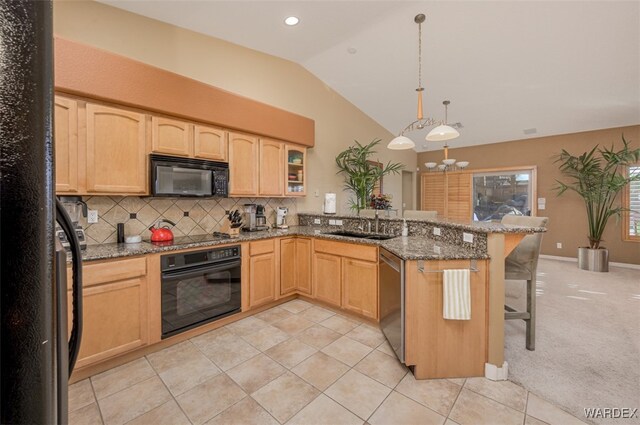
pixel 262 247
pixel 345 249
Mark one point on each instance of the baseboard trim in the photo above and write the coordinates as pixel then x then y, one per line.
pixel 496 373
pixel 575 260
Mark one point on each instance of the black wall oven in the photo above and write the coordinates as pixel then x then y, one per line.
pixel 199 287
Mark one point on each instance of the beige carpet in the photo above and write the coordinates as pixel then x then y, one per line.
pixel 588 339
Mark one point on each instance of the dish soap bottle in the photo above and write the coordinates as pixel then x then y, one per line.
pixel 405 228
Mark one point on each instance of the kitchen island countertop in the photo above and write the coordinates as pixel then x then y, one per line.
pixel 407 247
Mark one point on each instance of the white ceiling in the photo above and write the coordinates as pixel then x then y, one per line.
pixel 559 67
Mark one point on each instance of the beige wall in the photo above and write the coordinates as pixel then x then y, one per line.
pixel 567 217
pixel 256 75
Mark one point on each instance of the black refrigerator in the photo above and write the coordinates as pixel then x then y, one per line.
pixel 36 352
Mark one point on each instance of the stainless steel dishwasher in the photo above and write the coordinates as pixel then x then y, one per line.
pixel 391 273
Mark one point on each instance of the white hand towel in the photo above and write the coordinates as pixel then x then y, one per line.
pixel 456 295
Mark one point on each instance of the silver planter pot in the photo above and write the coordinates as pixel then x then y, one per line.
pixel 595 260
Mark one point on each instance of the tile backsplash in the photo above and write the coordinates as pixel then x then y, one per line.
pixel 192 216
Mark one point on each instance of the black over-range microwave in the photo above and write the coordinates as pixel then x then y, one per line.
pixel 173 176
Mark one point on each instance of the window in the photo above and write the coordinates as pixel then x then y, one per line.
pixel 377 189
pixel 631 201
pixel 501 192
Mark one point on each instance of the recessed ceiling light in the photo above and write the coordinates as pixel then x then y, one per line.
pixel 291 21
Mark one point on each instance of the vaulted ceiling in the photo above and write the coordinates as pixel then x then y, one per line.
pixel 553 66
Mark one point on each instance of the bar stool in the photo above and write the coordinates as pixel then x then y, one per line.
pixel 419 214
pixel 521 264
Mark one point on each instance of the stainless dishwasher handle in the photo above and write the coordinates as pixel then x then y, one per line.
pixel 389 261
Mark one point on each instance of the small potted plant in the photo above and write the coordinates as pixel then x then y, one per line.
pixel 380 202
pixel 361 175
pixel 597 178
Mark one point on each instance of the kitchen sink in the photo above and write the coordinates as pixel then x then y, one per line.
pixel 351 234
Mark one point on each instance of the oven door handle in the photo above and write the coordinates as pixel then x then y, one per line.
pixel 198 271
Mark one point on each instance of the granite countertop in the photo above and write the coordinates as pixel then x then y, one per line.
pixel 473 226
pixel 407 248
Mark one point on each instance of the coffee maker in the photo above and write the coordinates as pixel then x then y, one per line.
pixel 281 218
pixel 254 218
pixel 76 208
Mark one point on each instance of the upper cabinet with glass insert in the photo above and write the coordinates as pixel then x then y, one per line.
pixel 295 170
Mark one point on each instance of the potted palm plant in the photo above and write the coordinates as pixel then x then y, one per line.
pixel 597 178
pixel 361 175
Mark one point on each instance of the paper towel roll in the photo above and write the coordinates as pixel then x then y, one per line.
pixel 330 203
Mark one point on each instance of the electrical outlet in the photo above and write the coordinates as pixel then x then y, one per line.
pixel 317 221
pixel 436 231
pixel 559 245
pixel 436 249
pixel 92 216
pixel 316 193
pixel 467 237
pixel 338 222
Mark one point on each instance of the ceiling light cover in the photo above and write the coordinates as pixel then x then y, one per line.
pixel 442 133
pixel 401 143
pixel 291 21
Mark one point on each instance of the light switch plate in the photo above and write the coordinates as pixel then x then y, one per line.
pixel 436 231
pixel 467 237
pixel 542 203
pixel 316 221
pixel 339 222
pixel 332 222
pixel 92 216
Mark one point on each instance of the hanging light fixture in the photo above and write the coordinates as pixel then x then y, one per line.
pixel 443 130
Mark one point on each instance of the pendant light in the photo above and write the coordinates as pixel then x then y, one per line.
pixel 443 131
pixel 402 142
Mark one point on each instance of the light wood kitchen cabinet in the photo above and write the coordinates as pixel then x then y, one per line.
pixel 115 317
pixel 295 265
pixel 115 150
pixel 263 272
pixel 271 168
pixel 295 170
pixel 346 275
pixel 288 275
pixel 303 265
pixel 243 165
pixel 66 144
pixel 448 193
pixel 171 137
pixel 210 143
pixel 360 287
pixel 327 278
pixel 437 347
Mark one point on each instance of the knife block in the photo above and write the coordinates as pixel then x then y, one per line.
pixel 226 228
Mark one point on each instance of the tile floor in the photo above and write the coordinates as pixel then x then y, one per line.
pixel 296 364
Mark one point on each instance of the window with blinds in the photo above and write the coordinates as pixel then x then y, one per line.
pixel 632 202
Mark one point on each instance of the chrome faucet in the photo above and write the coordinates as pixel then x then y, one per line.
pixel 377 221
